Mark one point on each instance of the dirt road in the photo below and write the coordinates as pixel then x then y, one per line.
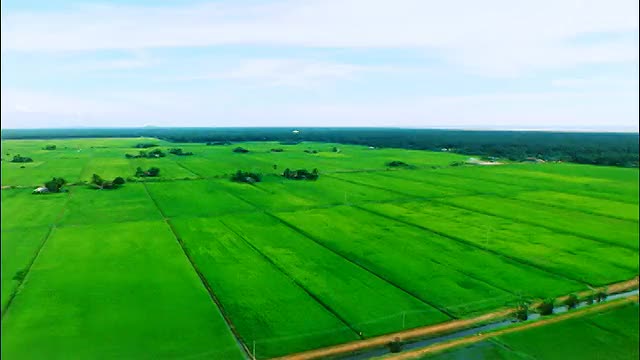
pixel 415 354
pixel 432 330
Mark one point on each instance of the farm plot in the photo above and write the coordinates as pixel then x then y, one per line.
pixel 604 229
pixel 612 334
pixel 518 175
pixel 264 304
pixel 121 290
pixel 19 247
pixel 403 187
pixel 367 303
pixel 603 207
pixel 567 256
pixel 130 202
pixel 276 193
pixel 21 209
pixel 421 262
pixel 195 198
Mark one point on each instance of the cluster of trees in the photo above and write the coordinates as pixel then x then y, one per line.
pixel 240 150
pixel 55 185
pixel 246 177
pixel 99 183
pixel 547 306
pixel 49 147
pixel 152 172
pixel 614 149
pixel 179 152
pixel 397 163
pixel 21 159
pixel 145 145
pixel 301 174
pixel 277 150
pixel 155 153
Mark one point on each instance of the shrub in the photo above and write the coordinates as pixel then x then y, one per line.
pixel 395 346
pixel 240 150
pixel 118 180
pixel 571 301
pixel 601 296
pixel 20 274
pixel 522 311
pixel 397 163
pixel 589 299
pixel 152 172
pixel 546 307
pixel 49 147
pixel 277 150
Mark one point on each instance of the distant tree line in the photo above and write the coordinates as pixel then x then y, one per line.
pixel 614 149
pixel 145 145
pixel 155 153
pixel 301 174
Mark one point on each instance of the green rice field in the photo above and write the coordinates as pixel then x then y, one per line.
pixel 192 265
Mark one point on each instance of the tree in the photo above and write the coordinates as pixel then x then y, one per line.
pixel 546 307
pixel 55 184
pixel 522 311
pixel 153 171
pixel 589 299
pixel 246 177
pixel 97 180
pixel 139 172
pixel 286 173
pixel 571 301
pixel 50 147
pixel 118 180
pixel 600 296
pixel 240 150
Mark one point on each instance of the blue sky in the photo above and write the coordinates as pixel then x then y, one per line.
pixel 570 65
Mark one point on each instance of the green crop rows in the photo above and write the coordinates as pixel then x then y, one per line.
pixel 191 265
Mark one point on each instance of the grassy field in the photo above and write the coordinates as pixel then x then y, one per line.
pixel 609 335
pixel 190 264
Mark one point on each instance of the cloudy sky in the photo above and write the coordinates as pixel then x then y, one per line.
pixel 543 64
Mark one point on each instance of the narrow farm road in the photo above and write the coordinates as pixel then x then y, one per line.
pixel 446 327
pixel 415 354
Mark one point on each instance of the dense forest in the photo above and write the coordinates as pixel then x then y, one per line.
pixel 614 149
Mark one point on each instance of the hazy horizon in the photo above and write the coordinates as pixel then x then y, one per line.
pixel 495 65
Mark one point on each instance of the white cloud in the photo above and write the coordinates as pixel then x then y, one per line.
pixel 571 110
pixel 493 36
pixel 290 72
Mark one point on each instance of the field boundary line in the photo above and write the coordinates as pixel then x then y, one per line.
pixel 533 223
pixel 21 283
pixel 293 279
pixel 203 280
pixel 313 239
pixel 439 347
pixel 476 246
pixel 199 177
pixel 438 329
pixel 408 292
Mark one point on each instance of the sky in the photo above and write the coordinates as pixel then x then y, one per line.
pixel 491 64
